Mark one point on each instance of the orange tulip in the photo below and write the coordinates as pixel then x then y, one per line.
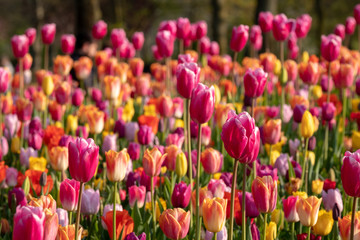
pixel 214 213
pixel 83 67
pixel 152 162
pixel 112 87
pixel 39 99
pixel 175 223
pixel 170 161
pixel 59 158
pixel 116 164
pixel 68 232
pixel 63 64
pixel 308 210
pixel 221 113
pixel 150 121
pixel 96 121
pixel 204 193
pixel 345 227
pixel 123 223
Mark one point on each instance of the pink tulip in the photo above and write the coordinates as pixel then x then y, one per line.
pixel 185 58
pixel 69 194
pixel 292 41
pixel 328 111
pixel 48 33
pixel 68 43
pixel 350 173
pixel 168 26
pixel 241 137
pixel 256 39
pixel 31 35
pixel 282 27
pixel 138 40
pixel 183 28
pixel 266 21
pixel 117 37
pixel 165 43
pixel 254 82
pixel 4 79
pixel 205 45
pixel 239 37
pixel 217 188
pixel 175 139
pixel 20 45
pixel 137 194
pixel 357 13
pixel 293 53
pixel 340 31
pixel 332 197
pixel 303 25
pixel 345 76
pixel 90 202
pixel 289 207
pixel 83 159
pixel 51 225
pixel 201 29
pixel 29 221
pixel 156 53
pixel 205 135
pixel 77 97
pixel 187 75
pixel 330 47
pixel 202 103
pixel 264 191
pixel 99 29
pixel 214 48
pixel 350 25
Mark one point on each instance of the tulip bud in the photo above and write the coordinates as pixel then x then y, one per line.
pixel 202 103
pixel 265 21
pixel 239 37
pixel 330 47
pixel 312 143
pixel 138 40
pixel 350 25
pixel 281 27
pixel 68 43
pixel 336 212
pixel 181 165
pixel 48 33
pixel 340 31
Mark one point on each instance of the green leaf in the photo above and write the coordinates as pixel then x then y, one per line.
pixel 291 170
pixel 26 186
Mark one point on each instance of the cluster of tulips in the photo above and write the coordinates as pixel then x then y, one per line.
pixel 156 155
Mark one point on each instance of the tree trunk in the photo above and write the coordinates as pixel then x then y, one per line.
pixel 219 25
pixel 87 13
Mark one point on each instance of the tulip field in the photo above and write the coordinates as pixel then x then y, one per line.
pixel 260 143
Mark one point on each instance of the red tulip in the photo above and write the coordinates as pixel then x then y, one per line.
pixel 118 37
pixel 254 82
pixel 48 33
pixel 68 43
pixel 202 103
pixel 31 35
pixel 165 43
pixel 83 159
pixel 124 223
pixel 69 194
pixel 20 45
pixel 138 40
pixel 241 137
pixel 239 37
pixel 357 13
pixel 350 25
pixel 330 47
pixel 24 109
pixel 350 173
pixel 99 29
pixel 256 39
pixel 264 190
pixel 340 31
pixel 183 28
pixel 303 25
pixel 29 222
pixel 187 75
pixel 282 27
pixel 265 21
pixel 201 29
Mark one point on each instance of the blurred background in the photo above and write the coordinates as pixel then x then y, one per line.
pixel 74 16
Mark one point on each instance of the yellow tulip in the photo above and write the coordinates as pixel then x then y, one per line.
pixel 324 223
pixel 271 231
pixel 71 123
pixel 317 92
pixel 15 145
pixel 355 139
pixel 217 94
pixel 317 186
pixel 48 85
pixel 109 124
pixel 277 216
pixel 305 56
pixel 128 111
pixel 300 194
pixel 179 123
pixel 150 110
pixel 37 163
pixel 277 69
pixel 355 105
pixel 307 127
pixel 181 165
pixel 274 155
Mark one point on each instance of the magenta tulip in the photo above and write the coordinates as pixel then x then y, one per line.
pixel 241 137
pixel 31 35
pixel 303 25
pixel 201 29
pixel 77 97
pixel 239 37
pixel 254 82
pixel 48 33
pixel 214 48
pixel 330 47
pixel 187 75
pixel 170 26
pixel 69 194
pixel 165 43
pixel 340 31
pixel 328 111
pixel 29 223
pixel 138 40
pixel 256 39
pixel 357 13
pixel 350 25
pixel 83 159
pixel 282 27
pixel 250 207
pixel 202 103
pixel 118 37
pixel 137 195
pixel 345 76
pixel 266 21
pixel 4 79
pixel 68 43
pixel 99 30
pixel 289 207
pixel 181 195
pixel 20 45
pixel 183 28
pixel 350 173
pixel 145 135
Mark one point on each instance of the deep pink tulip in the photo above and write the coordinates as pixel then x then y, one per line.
pixel 31 35
pixel 68 43
pixel 292 41
pixel 350 25
pixel 303 25
pixel 239 37
pixel 350 173
pixel 175 139
pixel 48 33
pixel 69 194
pixel 156 54
pixel 205 135
pixel 201 29
pixel 328 111
pixel 118 37
pixel 289 207
pixel 20 45
pixel 241 137
pixel 340 31
pixel 145 135
pixel 250 207
pixel 183 28
pixel 266 21
pixel 254 82
pixel 205 45
pixel 99 29
pixel 170 26
pixel 282 26
pixel 138 40
pixel 165 43
pixel 185 58
pixel 4 79
pixel 137 194
pixel 180 197
pixel 345 76
pixel 256 39
pixel 293 53
pixel 187 75
pixel 264 191
pixel 330 47
pixel 357 13
pixel 29 223
pixel 202 103
pixel 214 48
pixel 83 159
pixel 77 97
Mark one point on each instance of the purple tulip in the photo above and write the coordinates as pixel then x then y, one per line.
pixel 90 202
pixel 145 135
pixel 250 207
pixel 332 197
pixel 19 196
pixel 298 113
pixel 328 111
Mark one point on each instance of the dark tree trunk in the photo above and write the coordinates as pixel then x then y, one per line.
pixel 87 13
pixel 265 5
pixel 219 25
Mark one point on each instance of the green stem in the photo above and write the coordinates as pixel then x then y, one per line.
pixel 198 226
pixel 153 207
pixel 326 147
pixel 215 235
pixel 309 231
pixel 270 150
pixel 292 230
pixel 304 167
pixel 45 112
pixel 78 211
pixel 70 217
pixel 46 57
pixel 114 211
pixel 264 230
pixel 22 135
pixel 353 219
pixel 232 203
pixel 21 76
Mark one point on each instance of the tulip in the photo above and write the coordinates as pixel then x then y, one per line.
pixel 48 33
pixel 175 223
pixel 20 45
pixel 183 28
pixel 317 186
pixel 350 25
pixel 299 111
pixel 96 121
pixel 187 75
pixel 239 37
pixel 201 29
pixel 83 68
pixel 77 97
pixel 138 40
pixel 308 210
pixel 324 223
pixel 4 79
pixel 344 77
pixel 25 154
pixel 68 43
pixel 281 27
pixel 68 232
pixel 134 151
pixel 330 47
pixel 59 158
pixel 202 103
pixel 180 197
pixel 168 26
pixel 11 176
pixel 256 37
pixel 152 162
pixel 307 127
pixel 136 66
pixel 165 43
pixel 99 29
pixel 303 25
pixel 205 45
pixel 309 72
pixel 214 213
pixel 90 202
pixel 254 82
pixel 118 37
pixel 328 111
pixel 265 21
pixel 264 191
pixel 214 49
pixel 69 194
pixel 330 198
pixel 112 87
pixel 181 164
pixel 272 131
pixel 30 222
pixel 62 217
pixel 132 236
pixel 217 188
pixel 289 206
pixel 137 195
pixel 116 164
pixel 165 106
pixel 145 135
pixel 24 109
pixel 174 139
pixel 271 231
pixel 31 35
pixel 345 230
pixel 211 160
pixel 250 207
pixel 124 224
pixel 340 31
pixel 51 225
pixel 18 195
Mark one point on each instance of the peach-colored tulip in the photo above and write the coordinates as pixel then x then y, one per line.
pixel 116 164
pixel 214 213
pixel 308 210
pixel 59 158
pixel 204 193
pixel 152 162
pixel 175 223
